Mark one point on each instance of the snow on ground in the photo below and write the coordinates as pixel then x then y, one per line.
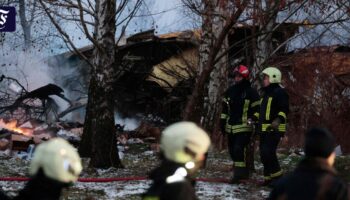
pixel 133 190
pixel 139 159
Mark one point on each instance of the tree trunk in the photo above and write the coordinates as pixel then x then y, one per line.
pixel 99 137
pixel 210 47
pixel 264 41
pixel 26 26
pixel 218 77
pixel 194 107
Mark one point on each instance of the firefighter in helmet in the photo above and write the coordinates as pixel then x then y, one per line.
pixel 241 105
pixel 183 146
pixel 55 166
pixel 272 122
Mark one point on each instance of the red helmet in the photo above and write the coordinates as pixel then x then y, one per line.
pixel 242 70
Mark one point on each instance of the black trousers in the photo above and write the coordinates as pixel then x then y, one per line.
pixel 268 146
pixel 237 145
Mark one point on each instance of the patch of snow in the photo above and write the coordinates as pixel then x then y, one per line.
pixel 217 191
pixel 135 141
pixel 68 135
pixel 117 189
pixel 264 193
pixel 148 153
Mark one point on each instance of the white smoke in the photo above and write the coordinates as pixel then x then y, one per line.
pixel 29 69
pixel 130 123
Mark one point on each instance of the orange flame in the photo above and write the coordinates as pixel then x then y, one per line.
pixel 12 126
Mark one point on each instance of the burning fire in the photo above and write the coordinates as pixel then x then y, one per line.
pixel 12 126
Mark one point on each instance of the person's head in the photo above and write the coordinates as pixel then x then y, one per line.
pixel 58 160
pixel 271 75
pixel 240 73
pixel 185 143
pixel 320 143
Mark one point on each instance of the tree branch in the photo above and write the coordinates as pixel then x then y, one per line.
pixel 64 34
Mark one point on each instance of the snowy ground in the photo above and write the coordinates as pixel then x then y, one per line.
pixel 138 161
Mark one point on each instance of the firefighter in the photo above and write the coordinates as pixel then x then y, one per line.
pixel 55 166
pixel 274 109
pixel 240 109
pixel 183 146
pixel 314 177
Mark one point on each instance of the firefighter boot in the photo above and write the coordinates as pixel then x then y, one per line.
pixel 240 173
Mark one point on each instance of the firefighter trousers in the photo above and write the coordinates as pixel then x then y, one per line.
pixel 237 145
pixel 268 146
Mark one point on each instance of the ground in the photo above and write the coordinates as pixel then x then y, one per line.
pixel 139 159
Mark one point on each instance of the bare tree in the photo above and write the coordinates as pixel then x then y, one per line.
pixel 98 22
pixel 218 18
pixel 266 18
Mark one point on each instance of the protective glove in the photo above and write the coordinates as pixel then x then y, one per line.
pixel 275 123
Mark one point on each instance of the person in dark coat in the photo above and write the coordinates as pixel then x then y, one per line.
pixel 240 108
pixel 183 147
pixel 314 178
pixel 274 109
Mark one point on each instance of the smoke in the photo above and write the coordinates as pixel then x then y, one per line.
pixel 29 68
pixel 26 67
pixel 130 123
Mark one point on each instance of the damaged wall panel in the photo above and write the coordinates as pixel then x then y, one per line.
pixel 316 80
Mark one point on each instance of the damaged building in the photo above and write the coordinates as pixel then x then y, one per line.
pixel 158 75
pixel 157 70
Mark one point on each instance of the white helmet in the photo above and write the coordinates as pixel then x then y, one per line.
pixel 275 75
pixel 183 142
pixel 58 159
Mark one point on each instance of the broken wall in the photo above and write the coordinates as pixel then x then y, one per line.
pixel 317 81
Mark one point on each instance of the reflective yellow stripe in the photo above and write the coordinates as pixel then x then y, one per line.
pixel 255 103
pixel 224 116
pixel 256 115
pixel 150 198
pixel 241 130
pixel 240 164
pixel 281 127
pixel 245 111
pixel 238 128
pixel 283 115
pixel 267 178
pixel 268 108
pixel 277 174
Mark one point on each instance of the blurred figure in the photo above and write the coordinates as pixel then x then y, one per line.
pixel 240 109
pixel 274 109
pixel 183 146
pixel 315 177
pixel 55 166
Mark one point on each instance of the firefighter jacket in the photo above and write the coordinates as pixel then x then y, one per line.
pixel 240 103
pixel 170 184
pixel 40 187
pixel 274 104
pixel 315 179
